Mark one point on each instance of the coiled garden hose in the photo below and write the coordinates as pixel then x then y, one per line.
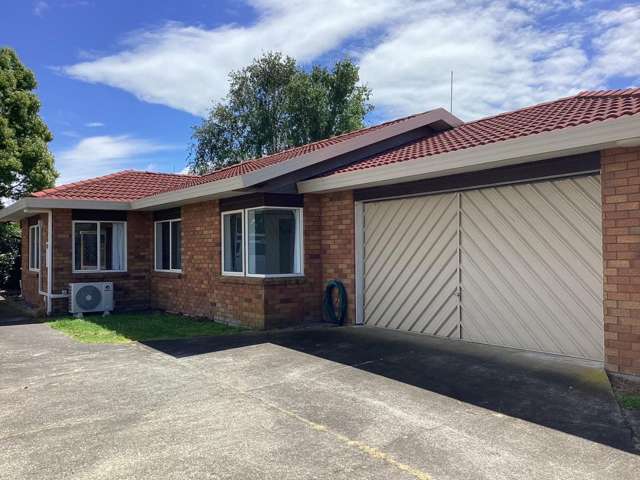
pixel 328 305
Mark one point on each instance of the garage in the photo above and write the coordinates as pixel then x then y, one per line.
pixel 517 265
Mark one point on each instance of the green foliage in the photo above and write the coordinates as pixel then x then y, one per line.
pixel 629 401
pixel 9 256
pixel 272 105
pixel 26 165
pixel 123 328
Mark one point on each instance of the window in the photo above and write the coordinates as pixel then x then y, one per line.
pixel 232 243
pixel 262 242
pixel 99 246
pixel 34 248
pixel 168 243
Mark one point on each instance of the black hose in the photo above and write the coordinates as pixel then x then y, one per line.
pixel 327 302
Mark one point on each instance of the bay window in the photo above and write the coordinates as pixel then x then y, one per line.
pixel 99 246
pixel 34 248
pixel 168 245
pixel 262 242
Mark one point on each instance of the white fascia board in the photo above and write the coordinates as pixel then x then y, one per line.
pixel 197 193
pixel 542 146
pixel 28 206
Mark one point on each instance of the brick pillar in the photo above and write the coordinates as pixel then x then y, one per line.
pixel 621 252
pixel 338 244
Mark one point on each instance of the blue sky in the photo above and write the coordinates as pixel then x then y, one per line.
pixel 123 82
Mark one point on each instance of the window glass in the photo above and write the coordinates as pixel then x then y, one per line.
pixel 34 247
pixel 168 242
pixel 232 242
pixel 99 246
pixel 176 254
pixel 86 246
pixel 273 241
pixel 112 251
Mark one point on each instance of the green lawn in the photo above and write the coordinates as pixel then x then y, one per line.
pixel 123 328
pixel 630 401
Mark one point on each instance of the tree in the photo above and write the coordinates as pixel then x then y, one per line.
pixel 26 165
pixel 272 105
pixel 9 255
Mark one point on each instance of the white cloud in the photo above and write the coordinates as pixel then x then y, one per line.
pixel 101 155
pixel 618 46
pixel 502 53
pixel 186 67
pixel 500 60
pixel 39 8
pixel 94 124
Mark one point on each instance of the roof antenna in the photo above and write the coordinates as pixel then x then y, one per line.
pixel 451 95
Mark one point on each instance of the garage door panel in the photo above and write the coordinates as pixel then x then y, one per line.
pixel 526 258
pixel 526 233
pixel 414 275
pixel 387 220
pixel 428 307
pixel 409 270
pixel 402 242
pixel 578 230
pixel 495 280
pixel 549 232
pixel 535 248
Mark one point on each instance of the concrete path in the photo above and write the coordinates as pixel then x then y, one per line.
pixel 329 403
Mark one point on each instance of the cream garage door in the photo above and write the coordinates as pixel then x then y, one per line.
pixel 517 266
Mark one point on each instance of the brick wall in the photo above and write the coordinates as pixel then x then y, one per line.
pixel 621 251
pixel 131 288
pixel 338 243
pixel 201 290
pixel 30 279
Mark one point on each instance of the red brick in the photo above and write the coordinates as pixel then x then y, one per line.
pixel 621 236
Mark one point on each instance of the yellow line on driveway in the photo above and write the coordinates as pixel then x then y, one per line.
pixel 372 452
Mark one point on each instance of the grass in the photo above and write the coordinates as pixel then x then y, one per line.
pixel 123 328
pixel 629 401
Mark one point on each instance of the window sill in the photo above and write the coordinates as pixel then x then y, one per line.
pixel 240 280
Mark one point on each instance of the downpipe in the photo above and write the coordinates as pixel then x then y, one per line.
pixel 49 262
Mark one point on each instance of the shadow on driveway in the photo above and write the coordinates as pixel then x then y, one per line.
pixel 569 395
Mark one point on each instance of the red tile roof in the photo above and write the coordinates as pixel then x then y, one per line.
pixel 123 186
pixel 259 163
pixel 586 107
pixel 131 185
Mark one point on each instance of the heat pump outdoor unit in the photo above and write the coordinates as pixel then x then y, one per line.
pixel 91 297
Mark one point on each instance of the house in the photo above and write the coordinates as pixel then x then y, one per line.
pixel 521 230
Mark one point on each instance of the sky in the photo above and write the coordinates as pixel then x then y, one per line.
pixel 123 82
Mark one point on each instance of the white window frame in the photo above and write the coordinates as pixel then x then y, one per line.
pixel 245 242
pixel 98 269
pixel 155 246
pixel 222 215
pixel 35 230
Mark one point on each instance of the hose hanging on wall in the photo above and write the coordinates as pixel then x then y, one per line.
pixel 328 305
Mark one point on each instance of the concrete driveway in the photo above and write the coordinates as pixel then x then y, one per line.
pixel 325 403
